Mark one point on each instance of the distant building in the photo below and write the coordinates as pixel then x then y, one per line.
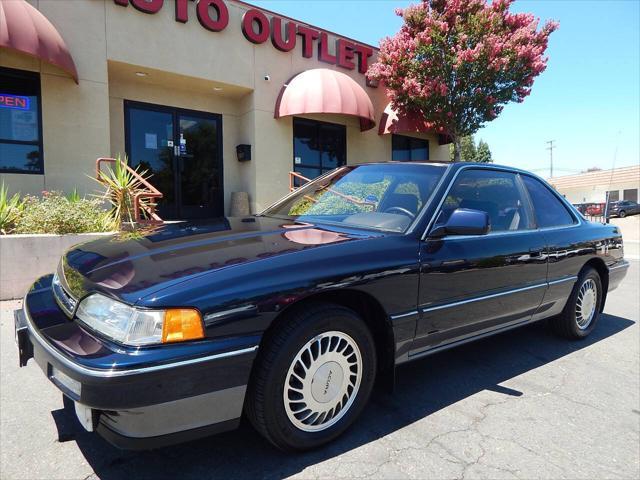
pixel 592 187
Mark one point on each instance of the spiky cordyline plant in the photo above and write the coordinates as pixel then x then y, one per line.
pixel 10 208
pixel 122 187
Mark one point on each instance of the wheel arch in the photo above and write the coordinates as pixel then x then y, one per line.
pixel 368 308
pixel 599 266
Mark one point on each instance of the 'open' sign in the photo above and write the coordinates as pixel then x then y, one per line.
pixel 14 101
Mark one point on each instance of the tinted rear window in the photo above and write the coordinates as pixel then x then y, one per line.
pixel 549 210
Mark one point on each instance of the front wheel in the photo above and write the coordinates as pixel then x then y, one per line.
pixel 582 311
pixel 622 214
pixel 313 377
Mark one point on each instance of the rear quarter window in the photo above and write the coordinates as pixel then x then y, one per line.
pixel 549 210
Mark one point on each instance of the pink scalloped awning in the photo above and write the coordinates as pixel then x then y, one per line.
pixel 24 29
pixel 391 122
pixel 325 91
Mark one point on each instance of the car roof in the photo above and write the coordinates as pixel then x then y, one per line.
pixel 452 165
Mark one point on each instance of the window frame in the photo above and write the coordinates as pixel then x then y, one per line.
pixel 432 221
pixel 409 139
pixel 36 79
pixel 518 184
pixel 554 193
pixel 316 125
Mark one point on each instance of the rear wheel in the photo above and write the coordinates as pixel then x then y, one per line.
pixel 313 377
pixel 582 311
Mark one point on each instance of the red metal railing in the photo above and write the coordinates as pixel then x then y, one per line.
pixel 144 213
pixel 292 181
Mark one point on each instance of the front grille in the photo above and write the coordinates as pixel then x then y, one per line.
pixel 63 298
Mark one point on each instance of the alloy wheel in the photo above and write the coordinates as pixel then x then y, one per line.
pixel 322 381
pixel 586 303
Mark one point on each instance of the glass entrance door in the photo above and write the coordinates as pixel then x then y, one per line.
pixel 182 150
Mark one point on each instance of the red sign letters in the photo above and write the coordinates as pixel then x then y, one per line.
pixel 257 28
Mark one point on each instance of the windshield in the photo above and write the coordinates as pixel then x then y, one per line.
pixel 386 196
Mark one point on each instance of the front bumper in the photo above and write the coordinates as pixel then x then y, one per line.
pixel 140 397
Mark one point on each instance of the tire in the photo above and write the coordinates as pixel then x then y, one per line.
pixel 574 323
pixel 622 214
pixel 313 345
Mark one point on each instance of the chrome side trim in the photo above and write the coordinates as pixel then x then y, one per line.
pixel 485 297
pixel 624 265
pixel 562 280
pixel 402 315
pixel 111 373
pixel 211 317
pixel 430 350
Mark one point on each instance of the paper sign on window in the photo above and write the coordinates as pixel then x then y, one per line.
pixel 151 141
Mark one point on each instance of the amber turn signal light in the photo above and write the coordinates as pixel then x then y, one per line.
pixel 181 324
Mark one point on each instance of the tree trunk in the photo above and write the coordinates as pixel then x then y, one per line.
pixel 457 148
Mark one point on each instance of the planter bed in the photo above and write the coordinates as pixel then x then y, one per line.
pixel 24 258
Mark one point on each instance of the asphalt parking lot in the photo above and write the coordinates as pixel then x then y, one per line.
pixel 524 404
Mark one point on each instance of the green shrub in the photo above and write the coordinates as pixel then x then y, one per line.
pixel 58 214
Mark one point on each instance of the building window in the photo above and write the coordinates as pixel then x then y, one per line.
pixel 614 195
pixel 20 122
pixel 318 147
pixel 409 149
pixel 630 194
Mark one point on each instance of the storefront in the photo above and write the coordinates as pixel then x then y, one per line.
pixel 210 96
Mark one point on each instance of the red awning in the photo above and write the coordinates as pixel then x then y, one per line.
pixel 24 29
pixel 325 91
pixel 391 122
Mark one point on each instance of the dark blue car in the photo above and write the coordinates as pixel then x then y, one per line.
pixel 289 317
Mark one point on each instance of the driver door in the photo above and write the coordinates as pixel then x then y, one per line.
pixel 471 284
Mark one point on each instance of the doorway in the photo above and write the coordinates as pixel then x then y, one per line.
pixel 182 151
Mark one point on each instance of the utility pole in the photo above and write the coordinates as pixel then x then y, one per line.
pixel 550 148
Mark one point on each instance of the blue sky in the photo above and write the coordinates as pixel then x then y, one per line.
pixel 587 100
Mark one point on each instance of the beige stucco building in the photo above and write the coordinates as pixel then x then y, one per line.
pixel 156 82
pixel 592 187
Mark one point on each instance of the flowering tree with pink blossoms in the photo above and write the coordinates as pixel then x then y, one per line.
pixel 456 63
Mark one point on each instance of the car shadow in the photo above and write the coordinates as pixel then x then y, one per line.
pixel 422 388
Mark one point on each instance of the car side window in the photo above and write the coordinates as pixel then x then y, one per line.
pixel 492 191
pixel 549 210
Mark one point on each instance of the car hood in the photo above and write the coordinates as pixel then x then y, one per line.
pixel 132 265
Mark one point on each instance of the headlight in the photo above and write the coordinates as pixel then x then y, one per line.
pixel 133 326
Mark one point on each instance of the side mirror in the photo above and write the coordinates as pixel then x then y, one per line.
pixel 463 221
